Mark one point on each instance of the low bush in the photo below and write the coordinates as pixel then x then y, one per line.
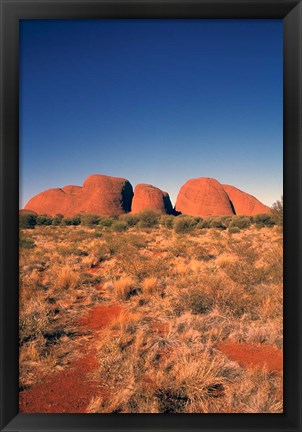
pixel 226 220
pixel 262 220
pixel 44 220
pixel 167 221
pixel 277 210
pixel 184 224
pixel 148 218
pixel 130 219
pixel 217 222
pixel 234 229
pixel 57 220
pixel 90 219
pixel 106 222
pixel 26 243
pixel 240 222
pixel 204 223
pixel 27 220
pixel 119 226
pixel 74 220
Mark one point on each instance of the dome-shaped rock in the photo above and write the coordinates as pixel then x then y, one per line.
pixel 244 203
pixel 100 194
pixel 150 197
pixel 203 197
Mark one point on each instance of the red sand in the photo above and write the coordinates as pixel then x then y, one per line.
pixel 254 355
pixel 67 391
pixel 101 316
pixel 161 328
pixel 70 390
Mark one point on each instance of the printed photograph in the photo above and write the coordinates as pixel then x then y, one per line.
pixel 151 216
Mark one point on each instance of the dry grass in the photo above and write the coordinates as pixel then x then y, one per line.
pixel 180 296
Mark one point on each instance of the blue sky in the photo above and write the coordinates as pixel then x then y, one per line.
pixel 154 101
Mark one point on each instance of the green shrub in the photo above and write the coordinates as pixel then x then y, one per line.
pixel 204 223
pixel 277 211
pixel 106 221
pixel 234 229
pixel 265 219
pixel 148 218
pixel 74 220
pixel 119 226
pixel 26 243
pixel 27 220
pixel 226 220
pixel 240 222
pixel 130 219
pixel 44 220
pixel 167 221
pixel 217 222
pixel 183 224
pixel 89 219
pixel 57 220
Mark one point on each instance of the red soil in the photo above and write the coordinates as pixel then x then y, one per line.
pixel 161 328
pixel 93 270
pixel 70 390
pixel 67 391
pixel 254 355
pixel 101 316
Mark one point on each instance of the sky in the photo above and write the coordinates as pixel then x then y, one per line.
pixel 153 101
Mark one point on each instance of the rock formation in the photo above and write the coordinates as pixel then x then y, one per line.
pixel 26 212
pixel 150 197
pixel 100 194
pixel 203 197
pixel 244 203
pixel 107 196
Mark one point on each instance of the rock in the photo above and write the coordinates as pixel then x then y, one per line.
pixel 102 195
pixel 203 197
pixel 150 197
pixel 27 212
pixel 244 203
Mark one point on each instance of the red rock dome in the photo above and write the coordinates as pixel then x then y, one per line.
pixel 244 203
pixel 100 194
pixel 203 197
pixel 150 197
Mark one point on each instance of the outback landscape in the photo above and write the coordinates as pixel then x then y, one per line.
pixel 131 305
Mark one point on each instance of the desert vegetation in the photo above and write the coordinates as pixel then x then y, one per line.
pixel 151 313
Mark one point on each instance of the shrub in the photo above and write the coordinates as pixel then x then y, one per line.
pixel 196 300
pixel 57 220
pixel 277 210
pixel 106 221
pixel 148 218
pixel 66 278
pixel 130 219
pixel 124 288
pixel 44 220
pixel 167 221
pixel 240 222
pixel 27 220
pixel 183 224
pixel 89 219
pixel 264 219
pixel 226 220
pixel 204 223
pixel 217 222
pixel 234 229
pixel 119 226
pixel 75 220
pixel 26 243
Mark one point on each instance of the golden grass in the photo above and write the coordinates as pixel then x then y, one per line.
pixel 180 295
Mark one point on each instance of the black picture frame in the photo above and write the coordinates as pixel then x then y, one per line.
pixel 290 11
